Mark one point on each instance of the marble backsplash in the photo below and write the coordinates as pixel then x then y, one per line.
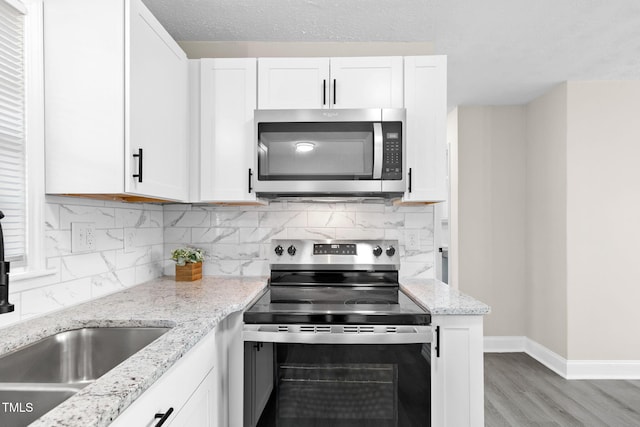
pixel 128 251
pixel 236 238
pixel 133 243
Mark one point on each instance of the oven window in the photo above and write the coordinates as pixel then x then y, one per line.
pixel 349 385
pixel 315 151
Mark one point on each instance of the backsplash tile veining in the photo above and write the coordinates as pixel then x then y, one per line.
pixel 128 250
pixel 134 241
pixel 236 238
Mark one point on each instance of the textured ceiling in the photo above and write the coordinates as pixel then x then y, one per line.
pixel 500 51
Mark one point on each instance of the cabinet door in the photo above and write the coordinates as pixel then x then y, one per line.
pixel 260 381
pixel 175 388
pixel 368 82
pixel 263 378
pixel 228 99
pixel 457 372
pixel 156 108
pixel 84 98
pixel 425 94
pixel 199 409
pixel 285 83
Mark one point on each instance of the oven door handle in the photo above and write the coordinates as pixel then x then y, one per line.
pixel 377 150
pixel 322 335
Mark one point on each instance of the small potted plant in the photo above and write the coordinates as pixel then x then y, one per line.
pixel 188 264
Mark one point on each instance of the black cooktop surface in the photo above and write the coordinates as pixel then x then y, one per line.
pixel 336 305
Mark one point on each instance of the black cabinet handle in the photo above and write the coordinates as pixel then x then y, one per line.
pixel 324 92
pixel 409 180
pixel 250 176
pixel 437 341
pixel 139 156
pixel 334 91
pixel 163 417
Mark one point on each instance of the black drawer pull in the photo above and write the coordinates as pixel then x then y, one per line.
pixel 250 178
pixel 139 156
pixel 163 417
pixel 324 92
pixel 334 91
pixel 409 180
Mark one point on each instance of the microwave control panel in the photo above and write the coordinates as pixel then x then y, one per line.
pixel 392 150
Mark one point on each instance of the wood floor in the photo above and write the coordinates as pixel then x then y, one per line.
pixel 519 391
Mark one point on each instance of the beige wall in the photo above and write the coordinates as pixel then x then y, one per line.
pixel 546 230
pixel 250 49
pixel 603 226
pixel 549 218
pixel 491 213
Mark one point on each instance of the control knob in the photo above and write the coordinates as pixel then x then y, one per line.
pixel 390 251
pixel 279 250
pixel 377 251
pixel 291 250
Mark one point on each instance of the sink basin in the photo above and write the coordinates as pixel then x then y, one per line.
pixel 36 378
pixel 79 356
pixel 23 405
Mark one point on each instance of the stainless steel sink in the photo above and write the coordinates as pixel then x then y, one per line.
pixel 23 405
pixel 51 370
pixel 77 356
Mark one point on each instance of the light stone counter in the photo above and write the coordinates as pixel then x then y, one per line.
pixel 440 298
pixel 192 309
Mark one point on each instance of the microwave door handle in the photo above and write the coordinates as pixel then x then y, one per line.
pixel 377 150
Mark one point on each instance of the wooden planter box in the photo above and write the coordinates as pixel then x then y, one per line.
pixel 189 272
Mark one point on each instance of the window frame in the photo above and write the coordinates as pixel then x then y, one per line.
pixel 34 265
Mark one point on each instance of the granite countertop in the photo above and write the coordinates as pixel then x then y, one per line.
pixel 440 298
pixel 192 309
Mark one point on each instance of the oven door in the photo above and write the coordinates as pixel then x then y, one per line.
pixel 361 378
pixel 320 152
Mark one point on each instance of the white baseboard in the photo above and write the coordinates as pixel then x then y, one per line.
pixel 569 369
pixel 548 358
pixel 603 369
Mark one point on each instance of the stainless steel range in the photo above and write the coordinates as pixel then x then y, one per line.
pixel 334 341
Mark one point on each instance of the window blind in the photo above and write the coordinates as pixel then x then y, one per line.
pixel 12 140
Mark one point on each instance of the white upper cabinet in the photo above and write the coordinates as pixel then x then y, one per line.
pixel 227 102
pixel 425 92
pixel 285 83
pixel 116 85
pixel 366 82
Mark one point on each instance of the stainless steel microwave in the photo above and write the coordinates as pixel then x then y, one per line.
pixel 330 152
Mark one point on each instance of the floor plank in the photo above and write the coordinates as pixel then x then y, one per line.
pixel 520 391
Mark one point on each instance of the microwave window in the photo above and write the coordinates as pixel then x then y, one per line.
pixel 315 151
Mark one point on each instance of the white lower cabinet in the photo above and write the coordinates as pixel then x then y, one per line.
pixel 187 389
pixel 199 409
pixel 457 372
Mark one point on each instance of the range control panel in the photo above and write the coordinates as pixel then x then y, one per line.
pixel 335 249
pixel 392 150
pixel 335 254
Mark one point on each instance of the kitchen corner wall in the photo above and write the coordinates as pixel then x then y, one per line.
pixel 128 251
pixel 236 238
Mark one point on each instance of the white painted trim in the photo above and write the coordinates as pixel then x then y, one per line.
pixel 504 344
pixel 34 130
pixel 548 358
pixel 603 369
pixel 569 369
